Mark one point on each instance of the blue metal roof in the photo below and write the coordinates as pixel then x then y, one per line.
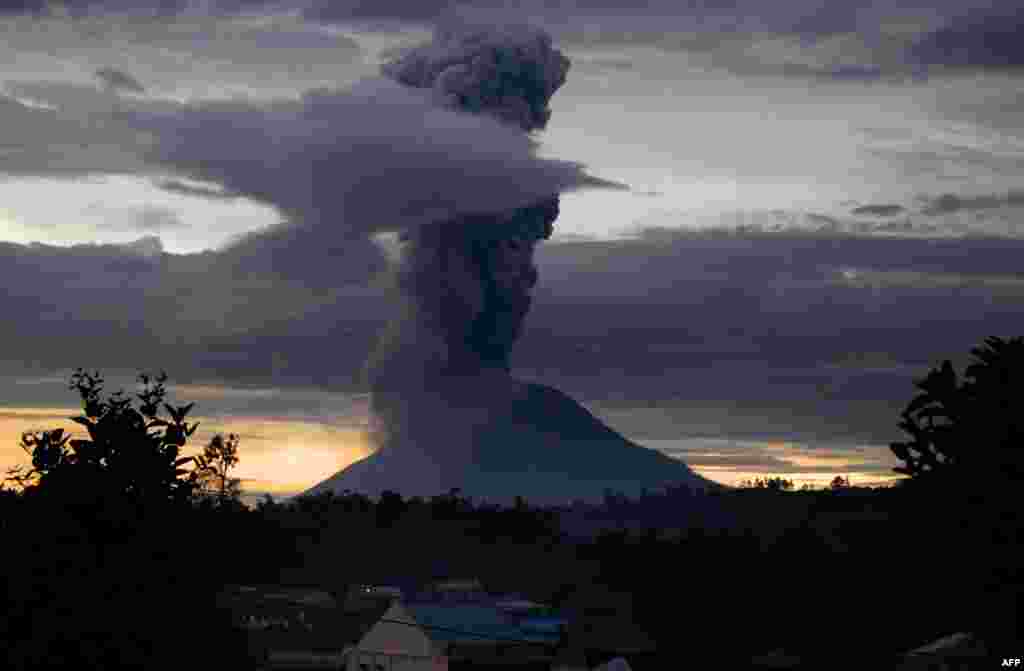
pixel 480 623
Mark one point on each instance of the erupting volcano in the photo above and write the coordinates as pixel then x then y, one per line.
pixel 447 412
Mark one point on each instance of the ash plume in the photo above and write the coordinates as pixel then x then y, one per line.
pixel 507 72
pixel 463 284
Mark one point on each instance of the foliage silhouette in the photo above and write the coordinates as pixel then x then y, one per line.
pixel 218 458
pixel 776 484
pixel 971 429
pixel 839 482
pixel 130 453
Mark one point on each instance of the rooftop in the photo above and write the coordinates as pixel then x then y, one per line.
pixel 482 623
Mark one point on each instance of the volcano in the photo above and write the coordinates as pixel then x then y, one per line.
pixel 447 411
pixel 511 438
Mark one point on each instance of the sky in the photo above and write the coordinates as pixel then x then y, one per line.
pixel 775 217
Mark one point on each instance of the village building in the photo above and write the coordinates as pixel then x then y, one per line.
pixel 447 626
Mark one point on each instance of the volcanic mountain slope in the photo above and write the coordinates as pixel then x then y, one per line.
pixel 540 444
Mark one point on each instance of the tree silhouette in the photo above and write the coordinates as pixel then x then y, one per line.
pixel 970 429
pixel 776 484
pixel 218 458
pixel 130 454
pixel 839 482
pixel 964 464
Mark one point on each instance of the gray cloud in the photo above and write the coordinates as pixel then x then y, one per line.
pixel 119 80
pixel 823 221
pixel 178 186
pixel 45 138
pixel 341 11
pixel 879 210
pixel 146 219
pixel 604 64
pixel 949 203
pixel 192 55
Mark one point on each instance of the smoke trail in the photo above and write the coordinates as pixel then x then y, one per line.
pixel 463 285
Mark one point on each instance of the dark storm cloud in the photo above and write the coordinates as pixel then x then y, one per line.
pixel 879 210
pixel 424 11
pixel 743 318
pixel 23 6
pixel 158 8
pixel 223 313
pixel 981 39
pixel 119 80
pixel 949 203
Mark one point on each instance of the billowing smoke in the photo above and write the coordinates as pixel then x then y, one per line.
pixel 464 283
pixel 508 72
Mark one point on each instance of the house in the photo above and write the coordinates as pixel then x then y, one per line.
pixel 294 628
pixel 396 642
pixel 484 635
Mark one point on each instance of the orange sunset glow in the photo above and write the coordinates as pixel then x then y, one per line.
pixel 284 456
pixel 278 455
